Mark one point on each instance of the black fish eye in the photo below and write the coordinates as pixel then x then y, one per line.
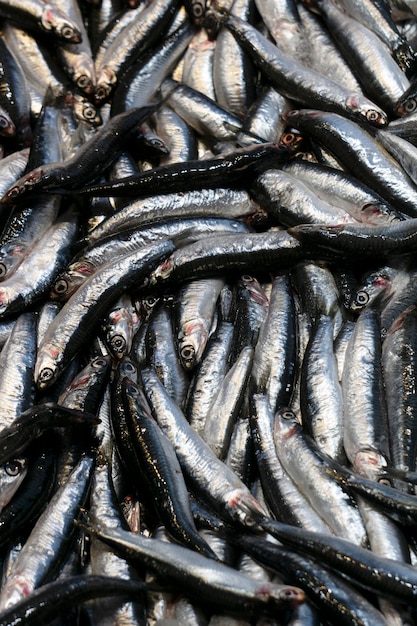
pixel 14 467
pixel 83 81
pixel 46 374
pixel 3 270
pixel 99 362
pixel 4 123
pixel 118 343
pixel 132 390
pixel 129 368
pixel 361 298
pixel 89 112
pixel 187 353
pixel 372 115
pixel 61 286
pixel 410 105
pixel 288 414
pixel 67 32
pixel 198 9
pixel 150 301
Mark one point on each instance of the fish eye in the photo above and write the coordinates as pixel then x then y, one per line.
pixel 3 270
pixel 372 115
pixel 129 368
pixel 132 390
pixel 287 414
pixel 13 192
pixel 384 481
pixel 198 8
pixel 14 467
pixel 118 343
pixel 46 375
pixel 61 286
pixel 362 298
pixel 292 113
pixel 89 112
pixel 4 122
pixel 150 301
pixel 410 105
pixel 67 32
pixel 99 362
pixel 83 81
pixel 187 354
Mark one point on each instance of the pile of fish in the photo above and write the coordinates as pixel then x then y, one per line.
pixel 208 312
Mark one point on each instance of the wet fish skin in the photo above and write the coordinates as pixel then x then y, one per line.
pixel 48 538
pixel 341 601
pixel 161 469
pixel 371 164
pixel 33 422
pixel 295 81
pixel 222 488
pixel 233 168
pixel 82 311
pixel 195 571
pixel 52 599
pixel 88 162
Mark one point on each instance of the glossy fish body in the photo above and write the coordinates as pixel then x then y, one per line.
pixel 88 162
pixel 379 75
pixel 48 538
pixel 197 572
pixel 321 393
pixel 371 164
pixel 328 499
pixel 399 364
pixel 162 470
pixel 195 309
pixel 79 313
pixel 234 168
pixel 223 489
pixel 296 82
pixel 365 422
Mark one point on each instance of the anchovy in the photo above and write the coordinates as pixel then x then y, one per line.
pixel 162 471
pixel 42 18
pixel 220 485
pixel 79 315
pixel 297 82
pixel 392 579
pixel 372 164
pixel 32 423
pixel 49 537
pixel 53 599
pixel 232 169
pixel 195 572
pixel 378 74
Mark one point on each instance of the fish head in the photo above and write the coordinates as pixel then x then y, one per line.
pixel 281 596
pixel 406 106
pixel 52 20
pixel 106 81
pixel 84 74
pixel 286 424
pixel 47 367
pixel 191 344
pixel 366 111
pixel 12 474
pixel 69 281
pixel 24 185
pixel 84 110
